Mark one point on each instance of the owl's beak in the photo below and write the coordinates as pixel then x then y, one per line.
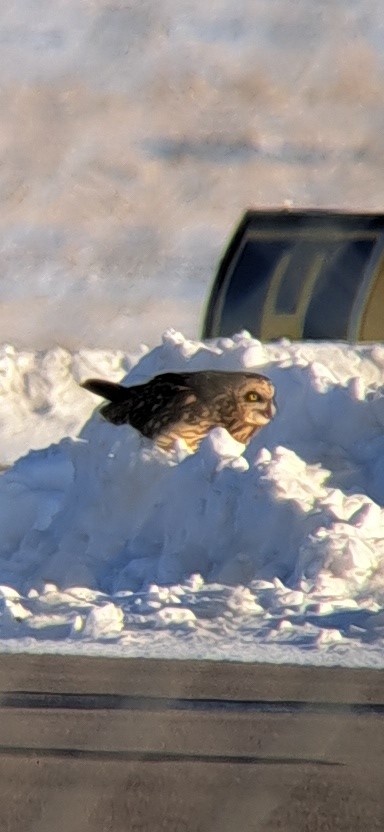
pixel 271 410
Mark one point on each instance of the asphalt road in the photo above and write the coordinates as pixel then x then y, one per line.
pixel 102 744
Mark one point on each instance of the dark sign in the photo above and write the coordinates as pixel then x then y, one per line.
pixel 301 274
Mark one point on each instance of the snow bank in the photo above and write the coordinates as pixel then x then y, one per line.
pixel 281 541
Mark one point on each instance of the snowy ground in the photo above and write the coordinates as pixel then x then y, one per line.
pixel 274 552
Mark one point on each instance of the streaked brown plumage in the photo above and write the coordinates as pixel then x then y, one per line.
pixel 188 405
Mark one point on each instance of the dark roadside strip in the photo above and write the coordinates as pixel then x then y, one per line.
pixel 160 757
pixel 98 702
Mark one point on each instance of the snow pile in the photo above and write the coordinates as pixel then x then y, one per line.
pixel 107 538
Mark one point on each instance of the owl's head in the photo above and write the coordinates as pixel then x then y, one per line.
pixel 243 402
pixel 255 397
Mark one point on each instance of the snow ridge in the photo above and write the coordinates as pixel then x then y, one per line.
pixel 106 538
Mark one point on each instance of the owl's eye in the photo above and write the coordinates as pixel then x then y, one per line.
pixel 252 396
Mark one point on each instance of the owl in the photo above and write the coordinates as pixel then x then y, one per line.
pixel 188 405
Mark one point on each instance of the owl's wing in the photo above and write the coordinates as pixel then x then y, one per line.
pixel 148 407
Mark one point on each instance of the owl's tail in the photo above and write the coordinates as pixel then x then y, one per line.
pixel 115 393
pixel 119 399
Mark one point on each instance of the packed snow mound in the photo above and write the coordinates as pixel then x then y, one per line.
pixel 290 526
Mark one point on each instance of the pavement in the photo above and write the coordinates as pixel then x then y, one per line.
pixel 131 745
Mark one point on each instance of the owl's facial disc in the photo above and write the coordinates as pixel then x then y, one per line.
pixel 257 402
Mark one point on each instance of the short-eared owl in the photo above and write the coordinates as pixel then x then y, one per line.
pixel 187 405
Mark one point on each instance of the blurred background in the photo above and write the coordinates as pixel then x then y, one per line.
pixel 134 134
